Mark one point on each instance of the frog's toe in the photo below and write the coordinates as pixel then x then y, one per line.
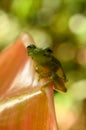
pixel 60 88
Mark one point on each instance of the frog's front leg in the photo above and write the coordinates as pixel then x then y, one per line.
pixel 39 70
pixel 43 73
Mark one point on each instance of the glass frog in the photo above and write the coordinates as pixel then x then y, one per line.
pixel 47 66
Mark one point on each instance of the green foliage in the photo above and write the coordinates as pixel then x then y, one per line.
pixel 25 8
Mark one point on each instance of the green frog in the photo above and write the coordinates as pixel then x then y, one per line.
pixel 48 67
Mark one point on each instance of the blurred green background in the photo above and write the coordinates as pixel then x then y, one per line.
pixel 60 25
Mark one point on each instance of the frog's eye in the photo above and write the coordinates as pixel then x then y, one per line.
pixel 31 47
pixel 48 50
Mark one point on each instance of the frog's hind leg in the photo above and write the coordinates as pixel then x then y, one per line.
pixel 59 85
pixel 61 74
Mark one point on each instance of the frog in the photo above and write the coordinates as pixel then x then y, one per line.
pixel 48 67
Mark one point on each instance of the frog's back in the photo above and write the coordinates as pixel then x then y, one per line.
pixel 55 66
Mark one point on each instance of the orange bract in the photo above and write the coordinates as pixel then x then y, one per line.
pixel 23 106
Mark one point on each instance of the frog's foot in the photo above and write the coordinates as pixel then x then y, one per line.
pixel 46 85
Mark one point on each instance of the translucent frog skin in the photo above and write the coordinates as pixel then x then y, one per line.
pixel 47 66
